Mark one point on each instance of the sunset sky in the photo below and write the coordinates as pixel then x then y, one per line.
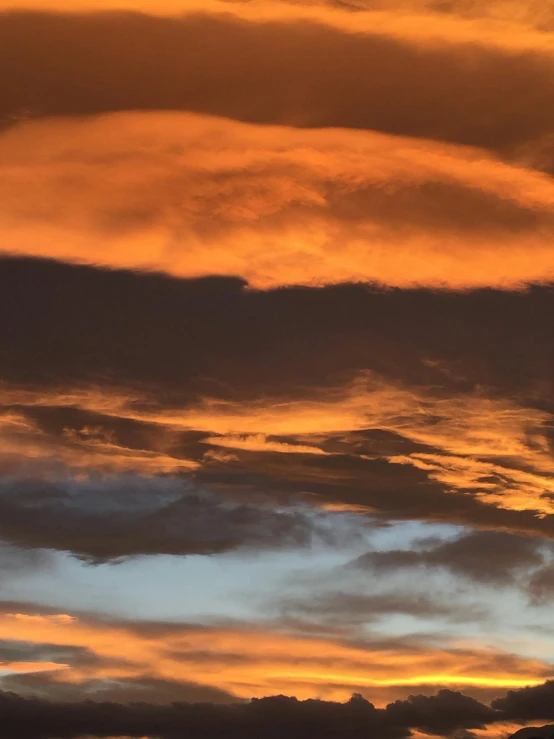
pixel 276 368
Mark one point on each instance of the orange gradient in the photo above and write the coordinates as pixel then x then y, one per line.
pixel 271 662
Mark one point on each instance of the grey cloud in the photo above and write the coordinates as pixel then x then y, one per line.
pixel 485 556
pixel 123 690
pixel 541 585
pixel 347 608
pixel 109 519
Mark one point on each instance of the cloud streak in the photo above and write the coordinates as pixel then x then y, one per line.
pixel 247 660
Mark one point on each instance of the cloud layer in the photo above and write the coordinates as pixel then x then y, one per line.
pixel 194 196
pixel 277 358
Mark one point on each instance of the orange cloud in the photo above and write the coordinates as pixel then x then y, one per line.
pixel 270 661
pixel 30 667
pixel 506 23
pixel 194 196
pixel 493 448
pixel 22 441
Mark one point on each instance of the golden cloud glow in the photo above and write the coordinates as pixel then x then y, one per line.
pixel 29 667
pixel 271 204
pixel 271 662
pixel 509 24
pixel 488 446
pixel 23 441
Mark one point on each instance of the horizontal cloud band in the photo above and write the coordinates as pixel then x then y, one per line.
pixel 194 196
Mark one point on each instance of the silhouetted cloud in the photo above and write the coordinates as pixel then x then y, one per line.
pixel 533 703
pixel 445 714
pixel 440 715
pixel 116 690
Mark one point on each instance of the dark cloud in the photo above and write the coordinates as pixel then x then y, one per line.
pixel 20 651
pixel 447 713
pixel 485 556
pixel 442 714
pixel 387 490
pixel 115 518
pixel 534 732
pixel 213 337
pixel 533 703
pixel 474 93
pixel 122 690
pixel 181 340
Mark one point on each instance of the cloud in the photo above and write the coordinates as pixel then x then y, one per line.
pixel 118 690
pixel 372 444
pixel 533 703
pixel 447 713
pixel 268 717
pixel 541 585
pixel 185 338
pixel 273 273
pixel 443 714
pixel 515 20
pixel 470 83
pixel 245 659
pixel 484 556
pixel 492 449
pixel 89 448
pixel 113 518
pixel 15 562
pixel 359 609
pixel 196 196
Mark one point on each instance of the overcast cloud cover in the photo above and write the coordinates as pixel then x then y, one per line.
pixel 276 368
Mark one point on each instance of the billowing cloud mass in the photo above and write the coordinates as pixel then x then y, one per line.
pixel 270 205
pixel 443 714
pixel 276 368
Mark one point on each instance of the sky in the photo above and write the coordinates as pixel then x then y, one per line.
pixel 276 368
